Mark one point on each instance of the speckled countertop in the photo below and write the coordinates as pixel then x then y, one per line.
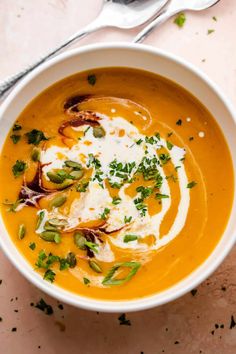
pixel 199 322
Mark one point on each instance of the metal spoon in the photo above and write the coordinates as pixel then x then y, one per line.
pixel 123 14
pixel 174 7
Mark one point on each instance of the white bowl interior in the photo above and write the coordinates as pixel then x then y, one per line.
pixel 133 56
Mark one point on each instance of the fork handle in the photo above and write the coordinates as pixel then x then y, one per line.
pixel 162 17
pixel 9 82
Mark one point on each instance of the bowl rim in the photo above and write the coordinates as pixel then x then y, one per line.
pixel 147 302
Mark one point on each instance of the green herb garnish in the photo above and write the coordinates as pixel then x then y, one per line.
pixel 116 200
pixel 19 168
pixel 105 214
pixel 82 186
pixel 161 196
pixel 191 184
pixel 109 278
pixel 180 20
pixel 86 281
pixel 35 136
pixel 92 79
pixel 15 138
pixel 32 246
pixel 16 127
pixel 49 275
pixel 169 145
pixel 127 219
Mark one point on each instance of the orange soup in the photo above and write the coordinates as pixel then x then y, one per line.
pixel 115 184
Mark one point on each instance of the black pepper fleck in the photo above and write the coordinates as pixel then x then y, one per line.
pixel 0 281
pixel 222 326
pixel 14 329
pixel 232 323
pixel 194 292
pixel 216 326
pixel 213 332
pixel 43 306
pixel 223 288
pixel 0 319
pixel 60 306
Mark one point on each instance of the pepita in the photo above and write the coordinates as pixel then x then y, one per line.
pixel 58 201
pixel 95 266
pixel 80 240
pixel 50 236
pixel 21 231
pixel 98 132
pixel 73 164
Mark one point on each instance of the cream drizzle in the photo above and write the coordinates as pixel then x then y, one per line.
pixel 91 204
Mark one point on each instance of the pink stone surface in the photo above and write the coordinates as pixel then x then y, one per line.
pixel 186 326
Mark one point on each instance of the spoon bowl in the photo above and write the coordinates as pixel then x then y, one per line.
pixel 174 7
pixel 127 14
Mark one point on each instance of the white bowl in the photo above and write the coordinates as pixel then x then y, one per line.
pixel 133 56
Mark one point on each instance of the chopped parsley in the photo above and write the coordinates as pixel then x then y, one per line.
pixel 116 200
pixel 120 170
pixel 49 275
pixel 16 127
pixel 169 145
pixel 15 138
pixel 191 184
pixel 179 122
pixel 32 245
pixel 149 171
pixel 35 136
pixel 19 168
pixel 180 20
pixel 92 79
pixel 105 214
pixel 93 161
pixel 82 186
pixel 139 142
pixel 127 219
pixel 86 281
pixel 164 158
pixel 214 18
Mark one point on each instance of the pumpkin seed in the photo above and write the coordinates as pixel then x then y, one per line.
pixel 57 238
pixel 73 164
pixel 35 154
pixel 50 236
pixel 55 178
pixel 58 222
pixel 80 240
pixel 95 266
pixel 58 201
pixel 40 219
pixel 21 231
pixel 77 174
pixel 98 132
pixel 71 259
pixel 48 227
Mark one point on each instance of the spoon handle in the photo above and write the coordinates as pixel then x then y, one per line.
pixel 8 83
pixel 164 16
